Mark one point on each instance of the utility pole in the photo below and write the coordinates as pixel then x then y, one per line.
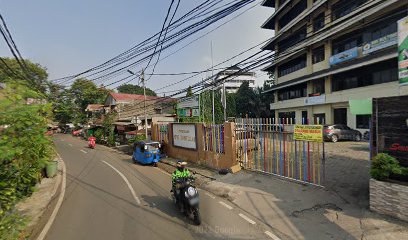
pixel 224 99
pixel 212 73
pixel 142 79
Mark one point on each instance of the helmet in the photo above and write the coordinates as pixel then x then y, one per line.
pixel 181 165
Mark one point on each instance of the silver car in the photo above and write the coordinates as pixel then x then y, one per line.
pixel 338 132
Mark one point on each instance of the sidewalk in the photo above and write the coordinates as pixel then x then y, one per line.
pixel 39 206
pixel 337 211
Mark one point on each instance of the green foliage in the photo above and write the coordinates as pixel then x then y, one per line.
pixel 135 89
pixel 246 101
pixel 24 148
pixel 99 135
pixel 36 76
pixel 111 136
pixel 384 165
pixel 189 92
pixel 70 104
pixel 12 226
pixel 136 139
pixel 231 105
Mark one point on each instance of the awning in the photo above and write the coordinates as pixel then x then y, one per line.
pixel 122 123
pixel 361 107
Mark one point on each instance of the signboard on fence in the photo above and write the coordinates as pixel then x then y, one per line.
pixel 403 50
pixel 311 133
pixel 184 136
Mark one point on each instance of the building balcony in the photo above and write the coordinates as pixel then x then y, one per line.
pixel 329 30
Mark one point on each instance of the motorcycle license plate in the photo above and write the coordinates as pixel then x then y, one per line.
pixel 193 201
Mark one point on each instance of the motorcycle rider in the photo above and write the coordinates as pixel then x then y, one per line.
pixel 180 172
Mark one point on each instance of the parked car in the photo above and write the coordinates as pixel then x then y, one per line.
pixel 338 132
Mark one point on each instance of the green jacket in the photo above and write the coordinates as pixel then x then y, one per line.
pixel 180 174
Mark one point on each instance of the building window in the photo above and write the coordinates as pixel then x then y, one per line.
pixel 379 32
pixel 363 121
pixel 319 118
pixel 340 116
pixel 292 14
pixel 347 42
pixel 318 55
pixel 375 74
pixel 296 37
pixel 318 87
pixel 293 92
pixel 344 7
pixel 287 117
pixel 318 22
pixel 292 66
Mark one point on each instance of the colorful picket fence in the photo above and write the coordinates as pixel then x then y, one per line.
pixel 214 138
pixel 161 132
pixel 267 146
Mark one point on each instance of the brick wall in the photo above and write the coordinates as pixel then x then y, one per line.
pixel 389 198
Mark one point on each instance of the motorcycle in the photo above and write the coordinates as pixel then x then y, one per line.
pixel 188 198
pixel 91 142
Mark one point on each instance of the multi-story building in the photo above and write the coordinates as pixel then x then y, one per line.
pixel 328 52
pixel 233 79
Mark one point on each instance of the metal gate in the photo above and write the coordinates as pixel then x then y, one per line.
pixel 267 146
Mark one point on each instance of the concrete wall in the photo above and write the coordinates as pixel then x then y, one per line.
pixel 206 158
pixel 389 198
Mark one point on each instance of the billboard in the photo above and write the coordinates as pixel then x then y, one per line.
pixel 403 50
pixel 189 102
pixel 184 135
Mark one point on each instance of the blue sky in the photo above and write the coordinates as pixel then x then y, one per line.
pixel 70 36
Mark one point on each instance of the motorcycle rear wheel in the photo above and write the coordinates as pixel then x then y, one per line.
pixel 197 217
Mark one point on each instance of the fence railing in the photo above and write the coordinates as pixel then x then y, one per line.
pixel 214 138
pixel 268 146
pixel 161 132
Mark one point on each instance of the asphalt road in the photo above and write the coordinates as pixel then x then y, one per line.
pixel 109 197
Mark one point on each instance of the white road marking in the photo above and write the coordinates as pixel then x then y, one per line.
pixel 225 205
pixel 247 218
pixel 211 196
pixel 271 235
pixel 126 181
pixel 70 144
pixel 83 151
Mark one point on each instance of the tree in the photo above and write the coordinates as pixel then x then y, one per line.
pixel 34 75
pixel 189 92
pixel 135 89
pixel 231 105
pixel 71 103
pixel 246 101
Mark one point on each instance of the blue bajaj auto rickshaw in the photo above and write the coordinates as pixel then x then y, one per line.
pixel 146 153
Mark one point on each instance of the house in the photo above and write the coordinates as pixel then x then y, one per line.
pixel 131 111
pixel 94 113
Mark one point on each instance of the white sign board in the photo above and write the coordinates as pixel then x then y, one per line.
pixel 184 136
pixel 190 102
pixel 315 100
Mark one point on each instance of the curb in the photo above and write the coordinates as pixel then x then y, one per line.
pixel 50 221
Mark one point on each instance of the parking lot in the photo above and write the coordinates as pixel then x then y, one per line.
pixel 347 171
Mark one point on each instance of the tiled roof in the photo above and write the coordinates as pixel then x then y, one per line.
pixel 134 97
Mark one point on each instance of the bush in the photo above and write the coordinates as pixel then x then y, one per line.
pixel 136 139
pixel 383 165
pixel 24 148
pixel 98 135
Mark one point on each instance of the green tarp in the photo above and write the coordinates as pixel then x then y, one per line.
pixel 361 107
